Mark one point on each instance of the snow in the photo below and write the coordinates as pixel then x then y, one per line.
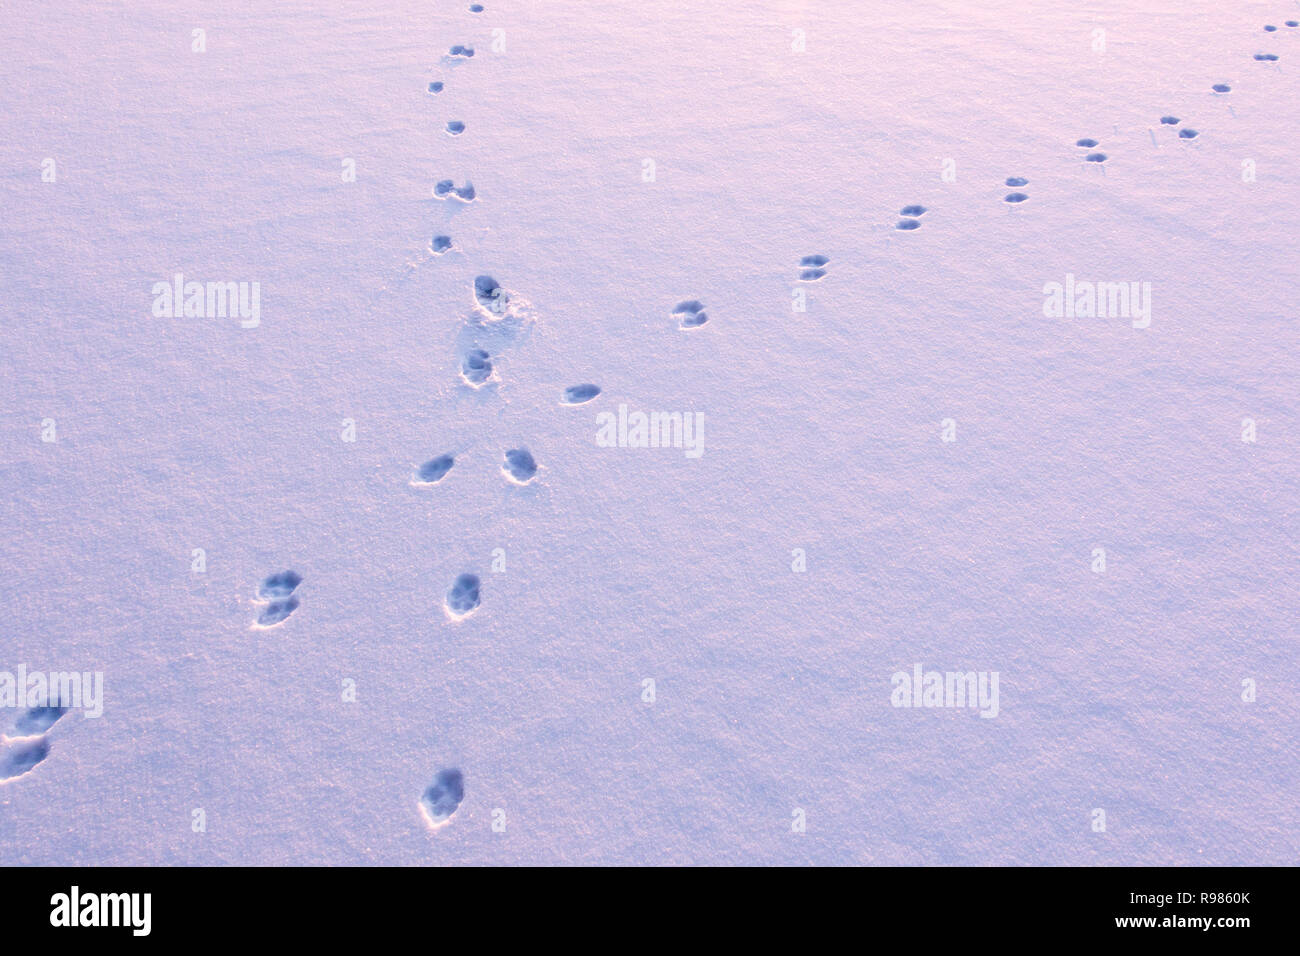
pixel 1119 691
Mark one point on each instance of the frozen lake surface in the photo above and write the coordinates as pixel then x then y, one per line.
pixel 372 576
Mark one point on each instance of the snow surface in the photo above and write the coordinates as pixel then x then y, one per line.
pixel 1120 690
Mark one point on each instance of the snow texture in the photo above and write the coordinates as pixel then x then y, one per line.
pixel 569 651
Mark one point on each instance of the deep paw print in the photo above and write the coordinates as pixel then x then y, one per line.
pixel 275 595
pixel 520 467
pixel 36 721
pixel 690 314
pixel 911 218
pixel 812 268
pixel 20 757
pixel 447 189
pixel 476 368
pixel 440 800
pixel 463 597
pixel 579 394
pixel 433 471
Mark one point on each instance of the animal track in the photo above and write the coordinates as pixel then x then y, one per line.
pixel 1086 143
pixel 476 367
pixel 440 244
pixel 463 597
pixel 911 217
pixel 1270 28
pixel 520 466
pixel 810 268
pixel 690 314
pixel 1017 181
pixel 476 8
pixel 37 720
pixel 19 757
pixel 1169 120
pixel 455 128
pixel 1015 197
pixel 445 188
pixel 279 585
pixel 275 593
pixel 1187 133
pixel 490 296
pixel 433 470
pixel 436 86
pixel 1095 158
pixel 580 394
pixel 1266 57
pixel 276 611
pixel 462 52
pixel 1221 88
pixel 1293 23
pixel 442 797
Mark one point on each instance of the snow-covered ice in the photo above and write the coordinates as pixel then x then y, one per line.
pixel 999 377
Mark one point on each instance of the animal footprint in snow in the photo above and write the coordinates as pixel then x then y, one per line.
pixel 1015 198
pixel 1266 57
pixel 579 394
pixel 1170 120
pixel 810 268
pixel 461 52
pixel 447 189
pixel 276 612
pixel 19 757
pixel 442 797
pixel 476 368
pixel 433 470
pixel 37 720
pixel 911 217
pixel 1017 181
pixel 1089 143
pixel 690 314
pixel 520 467
pixel 490 296
pixel 440 244
pixel 436 86
pixel 1188 133
pixel 1221 88
pixel 276 596
pixel 463 597
pixel 494 302
pixel 279 585
pixel 455 128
